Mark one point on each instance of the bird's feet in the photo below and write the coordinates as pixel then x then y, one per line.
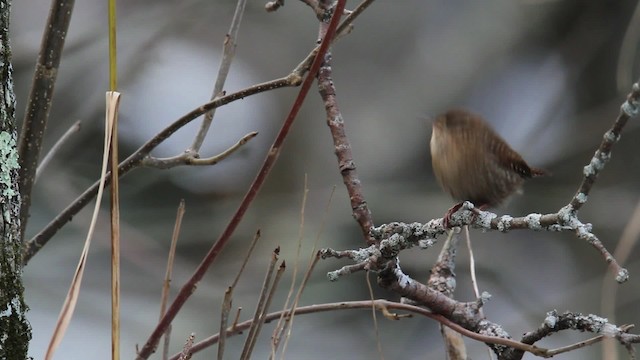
pixel 446 219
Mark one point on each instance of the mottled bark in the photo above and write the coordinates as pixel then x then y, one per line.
pixel 15 332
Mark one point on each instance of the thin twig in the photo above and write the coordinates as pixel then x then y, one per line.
pixel 267 305
pixel 55 148
pixel 629 109
pixel 229 50
pixel 188 158
pixel 272 155
pixel 228 297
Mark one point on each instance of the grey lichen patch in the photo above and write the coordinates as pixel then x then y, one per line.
pixel 622 276
pixel 581 198
pixel 363 254
pixel 610 136
pixel 404 281
pixel 567 216
pixel 533 221
pixel 425 243
pixel 630 108
pixel 484 298
pixel 484 219
pixel 333 275
pixel 551 320
pixel 8 162
pixel 594 166
pixel 504 223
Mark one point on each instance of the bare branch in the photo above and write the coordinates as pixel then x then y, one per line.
pixel 40 100
pixel 188 158
pixel 229 50
pixel 629 109
pixel 381 305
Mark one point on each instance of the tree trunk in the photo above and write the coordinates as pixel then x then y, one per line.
pixel 15 332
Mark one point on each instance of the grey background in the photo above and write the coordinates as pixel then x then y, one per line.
pixel 543 73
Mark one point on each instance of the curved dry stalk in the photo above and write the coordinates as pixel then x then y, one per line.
pixel 55 148
pixel 74 289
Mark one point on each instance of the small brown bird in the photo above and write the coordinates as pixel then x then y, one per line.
pixel 473 163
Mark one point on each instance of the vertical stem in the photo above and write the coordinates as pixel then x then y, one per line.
pixel 39 103
pixel 346 164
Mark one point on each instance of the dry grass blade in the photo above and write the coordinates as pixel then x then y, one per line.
pixel 279 329
pixel 169 273
pixel 113 100
pixel 74 289
pixel 228 297
pixel 303 285
pixel 280 323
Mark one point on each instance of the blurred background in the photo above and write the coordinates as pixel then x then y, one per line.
pixel 548 75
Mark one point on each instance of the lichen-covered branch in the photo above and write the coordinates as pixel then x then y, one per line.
pixel 390 239
pixel 342 148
